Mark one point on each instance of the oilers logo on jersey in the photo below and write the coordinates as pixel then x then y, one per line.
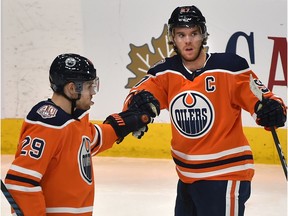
pixel 192 114
pixel 85 160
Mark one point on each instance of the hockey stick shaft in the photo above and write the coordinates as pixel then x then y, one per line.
pixel 279 150
pixel 10 199
pixel 257 92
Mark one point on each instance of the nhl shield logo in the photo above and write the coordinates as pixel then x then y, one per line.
pixel 84 159
pixel 192 114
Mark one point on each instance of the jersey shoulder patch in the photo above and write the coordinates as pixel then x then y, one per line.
pixel 48 113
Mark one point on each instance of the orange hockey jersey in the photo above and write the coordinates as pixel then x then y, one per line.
pixel 205 106
pixel 52 173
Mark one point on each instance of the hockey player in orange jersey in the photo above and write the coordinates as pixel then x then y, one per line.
pixel 52 173
pixel 204 94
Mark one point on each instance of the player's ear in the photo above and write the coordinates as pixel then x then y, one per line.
pixel 70 89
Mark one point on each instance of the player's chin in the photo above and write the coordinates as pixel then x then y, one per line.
pixel 91 104
pixel 85 106
pixel 188 56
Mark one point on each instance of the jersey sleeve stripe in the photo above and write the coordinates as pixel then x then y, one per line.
pixel 69 210
pixel 22 179
pixel 23 188
pixel 26 171
pixel 97 142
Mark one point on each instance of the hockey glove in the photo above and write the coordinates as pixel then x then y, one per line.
pixel 140 133
pixel 144 101
pixel 125 122
pixel 270 113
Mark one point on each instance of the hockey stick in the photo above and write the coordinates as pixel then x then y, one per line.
pixel 11 199
pixel 257 92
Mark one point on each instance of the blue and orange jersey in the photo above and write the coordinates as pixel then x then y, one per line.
pixel 52 173
pixel 205 108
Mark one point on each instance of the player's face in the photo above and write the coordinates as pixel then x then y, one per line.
pixel 89 89
pixel 188 42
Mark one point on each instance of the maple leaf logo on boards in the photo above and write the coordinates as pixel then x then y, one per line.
pixel 142 58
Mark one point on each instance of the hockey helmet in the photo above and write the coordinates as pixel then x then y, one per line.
pixel 70 67
pixel 187 16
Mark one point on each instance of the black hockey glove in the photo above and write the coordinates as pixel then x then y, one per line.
pixel 270 113
pixel 144 101
pixel 127 121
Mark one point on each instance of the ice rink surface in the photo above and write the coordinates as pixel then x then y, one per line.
pixel 147 187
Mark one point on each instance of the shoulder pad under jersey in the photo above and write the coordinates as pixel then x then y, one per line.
pixel 173 63
pixel 48 113
pixel 226 61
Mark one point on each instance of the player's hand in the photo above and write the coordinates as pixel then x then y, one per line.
pixel 144 101
pixel 270 113
pixel 127 121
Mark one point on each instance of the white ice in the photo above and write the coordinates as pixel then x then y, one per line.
pixel 147 187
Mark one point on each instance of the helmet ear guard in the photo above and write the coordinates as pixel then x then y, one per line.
pixel 79 86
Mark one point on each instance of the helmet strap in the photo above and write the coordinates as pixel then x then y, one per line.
pixel 73 103
pixel 73 106
pixel 79 86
